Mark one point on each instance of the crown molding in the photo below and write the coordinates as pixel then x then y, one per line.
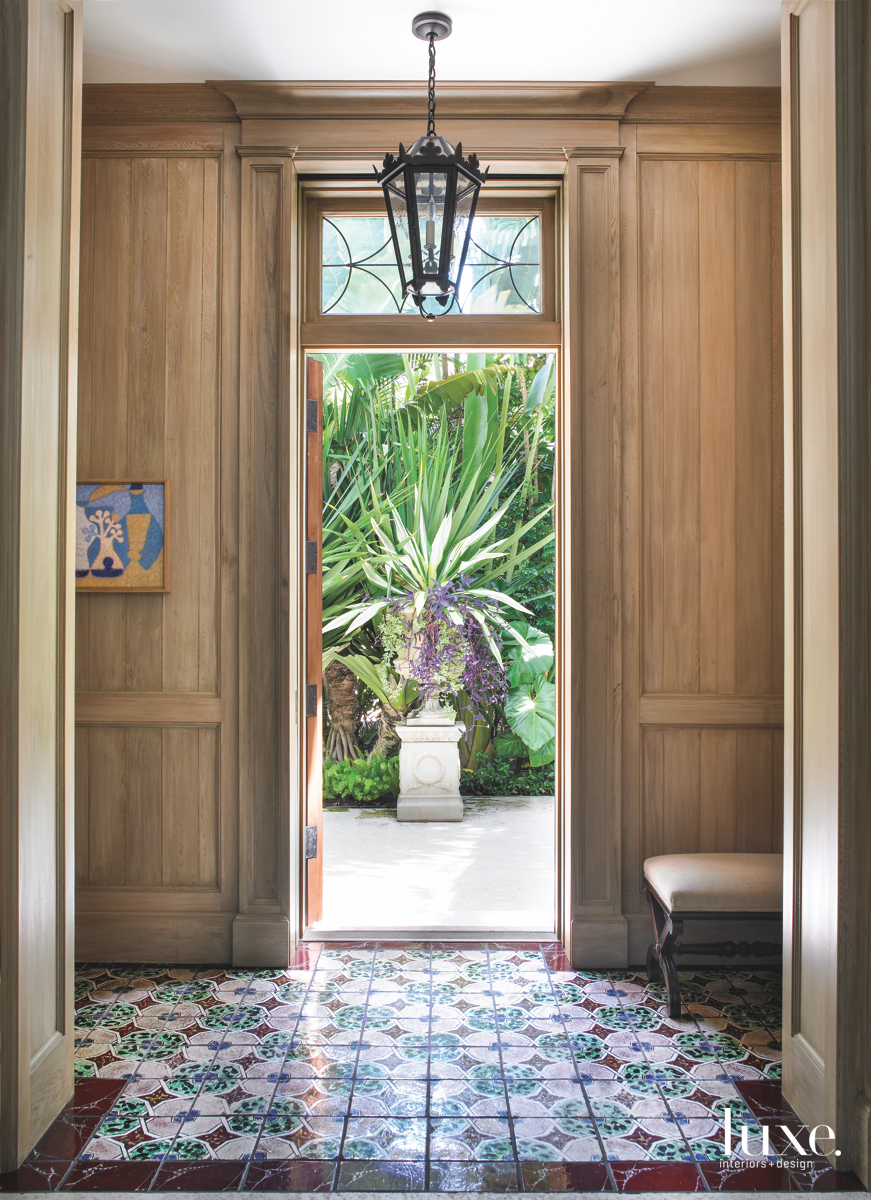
pixel 139 103
pixel 376 99
pixel 641 103
pixel 705 105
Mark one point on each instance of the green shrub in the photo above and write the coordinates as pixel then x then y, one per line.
pixel 361 779
pixel 508 777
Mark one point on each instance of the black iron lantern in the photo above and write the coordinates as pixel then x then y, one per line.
pixel 431 192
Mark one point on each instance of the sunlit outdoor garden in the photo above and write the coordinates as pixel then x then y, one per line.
pixel 438 566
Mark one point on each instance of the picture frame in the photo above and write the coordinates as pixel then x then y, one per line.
pixel 123 535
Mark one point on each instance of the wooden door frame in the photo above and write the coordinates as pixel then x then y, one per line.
pixel 827 836
pixel 569 132
pixel 355 334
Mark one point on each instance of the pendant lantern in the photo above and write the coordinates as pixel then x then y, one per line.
pixel 431 193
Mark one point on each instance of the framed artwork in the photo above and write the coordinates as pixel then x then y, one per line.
pixel 122 536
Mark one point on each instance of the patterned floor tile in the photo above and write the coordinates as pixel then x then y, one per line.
pixel 482 1139
pixel 449 1097
pixel 359 1060
pixel 401 1139
pixel 546 1140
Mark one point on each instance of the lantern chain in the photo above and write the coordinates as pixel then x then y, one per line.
pixel 430 129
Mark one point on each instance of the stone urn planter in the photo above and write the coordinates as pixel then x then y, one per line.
pixel 429 766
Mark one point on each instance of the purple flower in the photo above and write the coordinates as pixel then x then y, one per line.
pixel 446 656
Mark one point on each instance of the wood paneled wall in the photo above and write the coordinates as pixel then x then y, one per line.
pixel 703 547
pixel 156 742
pixel 189 776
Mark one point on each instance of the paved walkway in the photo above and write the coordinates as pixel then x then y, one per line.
pixel 493 870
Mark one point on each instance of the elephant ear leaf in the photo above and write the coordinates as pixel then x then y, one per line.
pixel 531 712
pixel 545 754
pixel 531 652
pixel 508 745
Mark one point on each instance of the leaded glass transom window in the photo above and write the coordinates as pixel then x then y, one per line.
pixel 502 273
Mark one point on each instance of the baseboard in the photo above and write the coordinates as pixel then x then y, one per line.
pixel 261 941
pixel 804 1081
pixel 863 1139
pixel 599 942
pixel 641 935
pixel 154 937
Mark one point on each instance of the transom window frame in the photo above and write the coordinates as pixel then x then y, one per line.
pixel 379 330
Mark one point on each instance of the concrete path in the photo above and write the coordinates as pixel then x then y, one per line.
pixel 494 870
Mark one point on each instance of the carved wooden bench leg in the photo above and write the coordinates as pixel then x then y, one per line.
pixel 660 955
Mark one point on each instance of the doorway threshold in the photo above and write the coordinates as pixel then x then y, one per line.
pixel 423 934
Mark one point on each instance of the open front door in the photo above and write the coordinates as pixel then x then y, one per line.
pixel 312 841
pixel 40 64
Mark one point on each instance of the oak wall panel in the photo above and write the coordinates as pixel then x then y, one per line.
pixel 709 791
pixel 712 607
pixel 155 804
pixel 149 406
pixel 703 647
pixel 147 807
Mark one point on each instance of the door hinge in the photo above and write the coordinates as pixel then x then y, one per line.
pixel 311 416
pixel 311 558
pixel 311 841
pixel 311 699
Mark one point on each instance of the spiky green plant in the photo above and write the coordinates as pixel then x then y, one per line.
pixel 442 529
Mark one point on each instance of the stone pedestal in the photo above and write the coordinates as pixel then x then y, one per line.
pixel 429 769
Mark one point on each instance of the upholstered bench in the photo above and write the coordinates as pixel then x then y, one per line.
pixel 708 887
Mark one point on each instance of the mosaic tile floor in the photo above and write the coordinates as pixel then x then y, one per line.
pixel 430 1066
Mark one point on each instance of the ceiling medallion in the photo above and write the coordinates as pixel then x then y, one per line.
pixel 431 193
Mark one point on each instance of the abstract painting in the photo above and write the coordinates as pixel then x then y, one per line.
pixel 122 536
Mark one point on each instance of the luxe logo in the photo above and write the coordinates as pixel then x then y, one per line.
pixel 814 1137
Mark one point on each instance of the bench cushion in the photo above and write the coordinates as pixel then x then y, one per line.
pixel 717 882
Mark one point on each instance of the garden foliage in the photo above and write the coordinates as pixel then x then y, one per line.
pixel 438 554
pixel 370 779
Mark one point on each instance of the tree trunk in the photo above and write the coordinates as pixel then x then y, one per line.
pixel 387 744
pixel 342 702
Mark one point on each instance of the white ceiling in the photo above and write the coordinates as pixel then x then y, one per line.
pixel 727 42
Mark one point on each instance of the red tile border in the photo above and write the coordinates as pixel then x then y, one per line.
pixel 34 1177
pixel 283 1176
pixel 556 959
pixel 765 1099
pixel 361 1175
pixel 94 1097
pixel 566 1177
pixel 473 1177
pixel 200 1177
pixel 827 1179
pixel 724 1177
pixel 305 956
pixel 110 1177
pixel 646 1176
pixel 66 1139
